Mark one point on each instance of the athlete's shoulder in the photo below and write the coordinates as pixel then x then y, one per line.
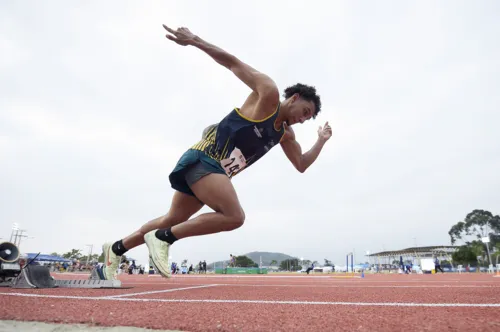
pixel 258 107
pixel 271 96
pixel 270 101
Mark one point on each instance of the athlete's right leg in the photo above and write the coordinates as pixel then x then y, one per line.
pixel 217 192
pixel 182 208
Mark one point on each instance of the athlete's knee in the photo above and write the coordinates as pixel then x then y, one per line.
pixel 235 219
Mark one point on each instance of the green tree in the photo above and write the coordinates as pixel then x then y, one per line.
pixel 291 264
pixel 244 261
pixel 273 262
pixel 478 223
pixel 306 262
pixel 465 255
pixel 73 254
pixel 54 254
pixel 101 258
pixel 328 262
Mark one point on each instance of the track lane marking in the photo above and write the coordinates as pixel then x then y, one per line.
pixel 376 304
pixel 332 286
pixel 159 291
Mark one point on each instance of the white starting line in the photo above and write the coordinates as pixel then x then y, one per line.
pixel 376 304
pixel 159 291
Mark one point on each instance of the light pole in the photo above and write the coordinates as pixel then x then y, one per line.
pixel 20 236
pixel 486 240
pixel 91 246
pixel 15 227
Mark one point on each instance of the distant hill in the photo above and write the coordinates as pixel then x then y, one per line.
pixel 267 258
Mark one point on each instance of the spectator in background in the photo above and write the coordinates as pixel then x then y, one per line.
pixel 131 268
pixel 200 267
pixel 437 265
pixel 232 260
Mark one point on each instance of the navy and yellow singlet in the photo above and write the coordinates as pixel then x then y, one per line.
pixel 237 142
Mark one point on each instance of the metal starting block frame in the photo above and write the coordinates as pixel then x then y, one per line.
pixel 36 276
pixel 96 280
pixel 80 283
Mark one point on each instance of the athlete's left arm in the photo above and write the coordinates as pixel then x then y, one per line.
pixel 293 150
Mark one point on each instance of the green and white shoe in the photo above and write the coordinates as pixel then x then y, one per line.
pixel 158 253
pixel 111 262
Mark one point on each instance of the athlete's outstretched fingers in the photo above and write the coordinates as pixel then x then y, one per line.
pixel 169 30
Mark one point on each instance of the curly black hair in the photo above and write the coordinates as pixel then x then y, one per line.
pixel 306 92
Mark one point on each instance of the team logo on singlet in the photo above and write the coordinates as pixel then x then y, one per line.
pixel 258 131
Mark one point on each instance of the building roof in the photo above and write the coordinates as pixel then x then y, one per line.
pixel 415 250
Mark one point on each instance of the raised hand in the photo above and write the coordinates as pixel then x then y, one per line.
pixel 324 133
pixel 181 36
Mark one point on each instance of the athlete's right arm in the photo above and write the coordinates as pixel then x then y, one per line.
pixel 260 83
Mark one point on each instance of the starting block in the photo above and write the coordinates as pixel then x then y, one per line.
pixel 36 276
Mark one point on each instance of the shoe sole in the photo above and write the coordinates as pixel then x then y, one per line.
pixel 157 269
pixel 153 261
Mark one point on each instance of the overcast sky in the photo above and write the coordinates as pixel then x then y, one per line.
pixel 96 107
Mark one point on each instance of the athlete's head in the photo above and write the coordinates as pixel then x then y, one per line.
pixel 302 103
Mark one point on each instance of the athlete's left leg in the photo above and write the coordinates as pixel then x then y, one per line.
pixel 183 206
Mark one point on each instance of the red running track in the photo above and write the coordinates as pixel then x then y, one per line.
pixel 458 302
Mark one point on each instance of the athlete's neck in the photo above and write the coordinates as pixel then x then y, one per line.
pixel 282 116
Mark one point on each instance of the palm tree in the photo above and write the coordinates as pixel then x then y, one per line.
pixel 73 254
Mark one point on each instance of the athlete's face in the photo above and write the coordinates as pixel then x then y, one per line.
pixel 300 110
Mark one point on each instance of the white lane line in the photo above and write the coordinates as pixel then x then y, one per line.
pixel 367 286
pixel 159 291
pixel 342 280
pixel 330 286
pixel 376 304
